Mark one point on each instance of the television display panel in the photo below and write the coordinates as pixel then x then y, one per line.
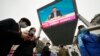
pixel 57 13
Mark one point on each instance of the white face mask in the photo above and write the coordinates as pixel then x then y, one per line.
pixel 31 32
pixel 22 25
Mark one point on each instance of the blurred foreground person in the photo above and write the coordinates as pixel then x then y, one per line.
pixel 46 51
pixel 89 44
pixel 39 46
pixel 26 48
pixel 63 51
pixel 74 53
pixel 96 20
pixel 10 34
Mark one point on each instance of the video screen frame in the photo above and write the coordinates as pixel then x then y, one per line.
pixel 56 22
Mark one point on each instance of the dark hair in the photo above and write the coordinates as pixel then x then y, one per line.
pixel 30 34
pixel 26 20
pixel 96 18
pixel 61 45
pixel 48 43
pixel 32 28
pixel 81 26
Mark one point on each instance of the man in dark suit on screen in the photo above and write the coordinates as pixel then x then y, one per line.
pixel 55 13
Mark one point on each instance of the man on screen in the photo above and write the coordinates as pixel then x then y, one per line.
pixel 54 13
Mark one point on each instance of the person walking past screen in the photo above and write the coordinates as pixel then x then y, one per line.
pixel 74 53
pixel 46 51
pixel 10 33
pixel 63 51
pixel 39 46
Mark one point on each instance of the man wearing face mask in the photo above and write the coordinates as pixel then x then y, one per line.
pixel 10 34
pixel 26 48
pixel 89 43
pixel 32 32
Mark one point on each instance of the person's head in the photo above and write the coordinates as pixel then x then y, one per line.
pixel 24 22
pixel 54 9
pixel 80 27
pixel 69 47
pixel 32 31
pixel 96 19
pixel 61 46
pixel 48 44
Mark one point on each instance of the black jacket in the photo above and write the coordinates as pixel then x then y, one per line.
pixel 45 51
pixel 25 49
pixel 9 35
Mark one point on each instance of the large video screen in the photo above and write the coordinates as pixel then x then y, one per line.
pixel 57 13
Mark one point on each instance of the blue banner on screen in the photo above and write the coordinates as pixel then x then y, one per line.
pixel 58 13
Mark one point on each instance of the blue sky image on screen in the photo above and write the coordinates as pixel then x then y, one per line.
pixel 65 6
